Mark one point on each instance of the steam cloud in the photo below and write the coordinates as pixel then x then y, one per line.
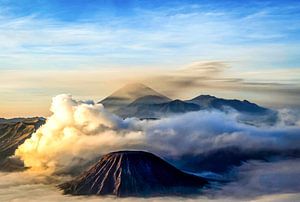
pixel 79 131
pixel 76 132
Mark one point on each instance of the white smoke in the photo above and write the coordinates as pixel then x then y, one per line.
pixel 76 132
pixel 79 131
pixel 289 117
pixel 202 131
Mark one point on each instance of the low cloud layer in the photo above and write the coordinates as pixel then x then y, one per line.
pixel 199 132
pixel 256 181
pixel 80 131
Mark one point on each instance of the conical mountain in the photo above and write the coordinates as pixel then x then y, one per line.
pixel 133 173
pixel 129 93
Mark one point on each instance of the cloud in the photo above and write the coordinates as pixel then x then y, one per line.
pixel 199 132
pixel 76 133
pixel 224 78
pixel 260 178
pixel 79 131
pixel 148 36
pixel 289 116
pixel 253 184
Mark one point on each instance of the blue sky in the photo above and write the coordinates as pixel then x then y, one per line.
pixel 259 34
pixel 51 47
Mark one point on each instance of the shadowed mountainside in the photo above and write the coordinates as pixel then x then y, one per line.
pixel 13 132
pixel 212 102
pixel 152 110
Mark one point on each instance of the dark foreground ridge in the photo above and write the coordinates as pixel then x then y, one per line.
pixel 13 132
pixel 133 173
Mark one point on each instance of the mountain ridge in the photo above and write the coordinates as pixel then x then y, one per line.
pixel 153 105
pixel 208 101
pixel 13 132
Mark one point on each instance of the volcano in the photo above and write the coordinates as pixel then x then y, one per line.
pixel 133 173
pixel 131 92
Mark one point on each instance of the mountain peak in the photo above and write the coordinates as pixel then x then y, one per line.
pixel 133 173
pixel 135 90
pixel 127 94
pixel 203 97
pixel 137 86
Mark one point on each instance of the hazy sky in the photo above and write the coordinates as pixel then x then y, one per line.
pixel 235 49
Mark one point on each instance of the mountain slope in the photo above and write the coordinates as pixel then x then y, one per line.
pixel 133 173
pixel 212 102
pixel 249 113
pixel 14 132
pixel 144 110
pixel 130 93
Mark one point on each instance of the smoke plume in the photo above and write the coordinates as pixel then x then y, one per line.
pixel 76 132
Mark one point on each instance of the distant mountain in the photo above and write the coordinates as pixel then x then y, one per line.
pixel 147 110
pixel 133 173
pixel 249 112
pixel 130 93
pixel 14 132
pixel 212 102
pixel 140 101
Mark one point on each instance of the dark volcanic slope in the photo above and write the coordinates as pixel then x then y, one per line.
pixel 133 173
pixel 148 110
pixel 14 132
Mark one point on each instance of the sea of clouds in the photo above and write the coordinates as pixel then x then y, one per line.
pixel 257 181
